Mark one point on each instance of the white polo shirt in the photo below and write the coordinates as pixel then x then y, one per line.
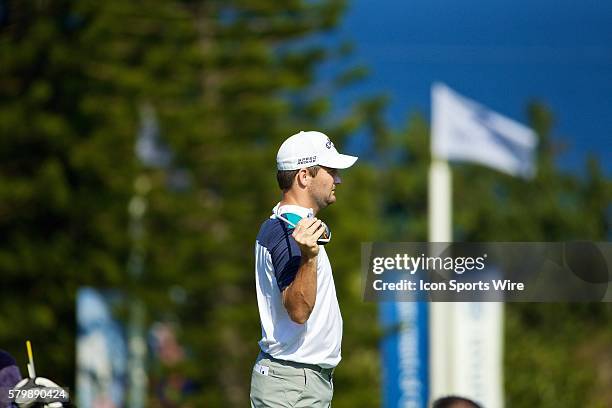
pixel 277 259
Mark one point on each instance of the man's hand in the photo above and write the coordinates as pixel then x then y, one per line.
pixel 306 234
pixel 30 393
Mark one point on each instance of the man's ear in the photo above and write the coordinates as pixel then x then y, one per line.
pixel 302 177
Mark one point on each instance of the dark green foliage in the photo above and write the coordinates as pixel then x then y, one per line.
pixel 228 82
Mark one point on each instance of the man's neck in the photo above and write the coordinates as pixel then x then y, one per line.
pixel 291 199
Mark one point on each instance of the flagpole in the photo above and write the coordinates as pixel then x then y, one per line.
pixel 440 201
pixel 466 338
pixel 440 230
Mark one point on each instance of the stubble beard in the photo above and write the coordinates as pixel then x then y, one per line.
pixel 322 200
pixel 329 199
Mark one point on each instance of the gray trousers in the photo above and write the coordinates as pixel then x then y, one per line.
pixel 277 383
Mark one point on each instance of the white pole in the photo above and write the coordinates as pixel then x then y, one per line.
pixel 465 348
pixel 440 201
pixel 440 230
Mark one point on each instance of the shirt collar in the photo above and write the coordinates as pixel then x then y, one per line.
pixel 294 209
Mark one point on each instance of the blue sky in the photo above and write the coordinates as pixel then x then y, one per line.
pixel 500 53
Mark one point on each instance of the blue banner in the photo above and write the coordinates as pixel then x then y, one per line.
pixel 405 356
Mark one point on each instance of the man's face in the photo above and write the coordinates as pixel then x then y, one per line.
pixel 323 185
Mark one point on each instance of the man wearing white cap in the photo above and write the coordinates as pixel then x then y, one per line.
pixel 301 323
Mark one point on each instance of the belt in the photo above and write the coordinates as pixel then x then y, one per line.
pixel 326 372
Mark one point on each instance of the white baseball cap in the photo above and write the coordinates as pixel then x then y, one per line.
pixel 311 148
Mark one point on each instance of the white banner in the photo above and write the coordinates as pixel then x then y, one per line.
pixel 477 330
pixel 464 130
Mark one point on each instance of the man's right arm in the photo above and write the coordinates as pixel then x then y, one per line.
pixel 300 296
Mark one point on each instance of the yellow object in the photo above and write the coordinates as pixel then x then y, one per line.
pixel 31 370
pixel 29 346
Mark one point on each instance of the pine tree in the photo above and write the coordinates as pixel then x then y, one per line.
pixel 228 81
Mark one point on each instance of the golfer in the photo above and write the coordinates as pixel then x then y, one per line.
pixel 301 324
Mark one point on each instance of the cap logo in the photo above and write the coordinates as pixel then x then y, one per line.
pixel 329 143
pixel 306 160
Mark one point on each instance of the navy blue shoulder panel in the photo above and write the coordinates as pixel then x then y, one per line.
pixel 285 252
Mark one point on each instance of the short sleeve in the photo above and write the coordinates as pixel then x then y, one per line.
pixel 286 258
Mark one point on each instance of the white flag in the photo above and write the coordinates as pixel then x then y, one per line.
pixel 464 130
